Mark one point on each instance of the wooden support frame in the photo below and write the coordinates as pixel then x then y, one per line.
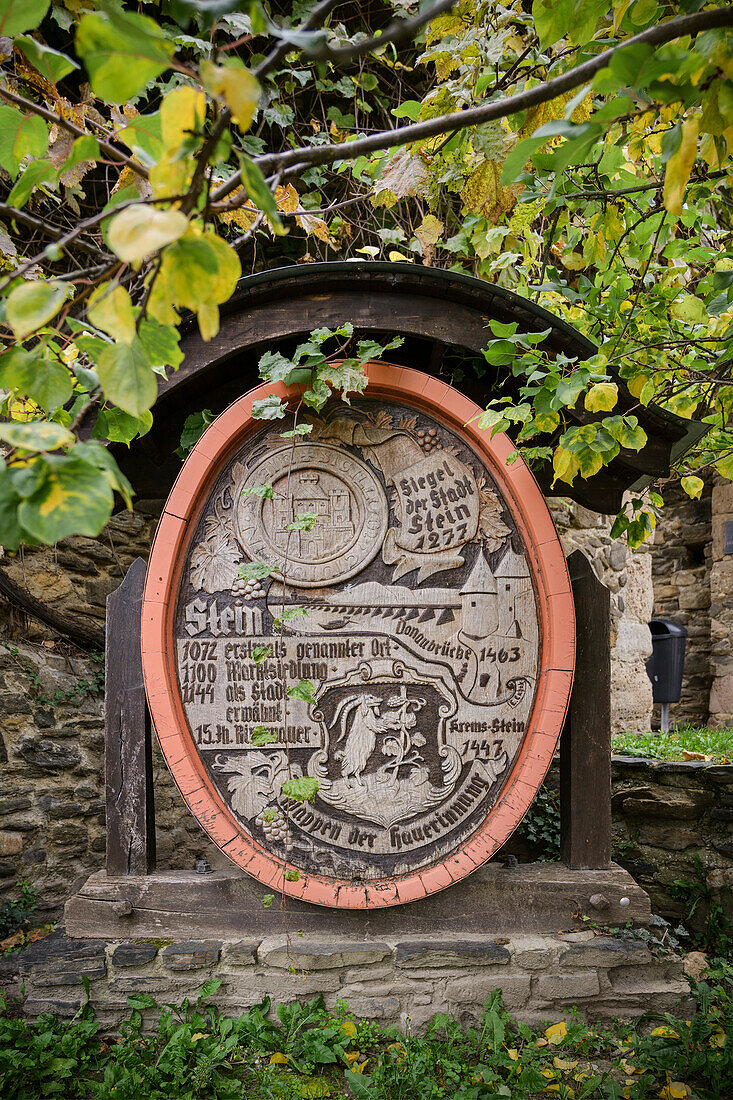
pixel 128 752
pixel 585 745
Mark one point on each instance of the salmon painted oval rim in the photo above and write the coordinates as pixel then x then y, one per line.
pixel 556 659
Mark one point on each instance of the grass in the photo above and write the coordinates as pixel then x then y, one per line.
pixel 303 1051
pixel 713 741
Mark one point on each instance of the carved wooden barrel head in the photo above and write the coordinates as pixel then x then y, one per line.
pixel 409 659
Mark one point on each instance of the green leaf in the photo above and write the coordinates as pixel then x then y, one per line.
pixel 303 690
pixel 693 486
pixel 141 1001
pixel 119 427
pixel 96 455
pixel 291 875
pixel 256 570
pixel 36 435
pixel 262 736
pixel 162 344
pixel 193 428
pixel 260 652
pixel 32 304
pixel 724 466
pixel 37 172
pixel 299 429
pixel 303 789
pixel 304 521
pixel 11 534
pixel 256 187
pixel 110 308
pixel 72 497
pixel 122 52
pixel 266 492
pixel 43 379
pixel 51 64
pixel 269 408
pixel 127 378
pixel 139 230
pixel 17 16
pixel 20 136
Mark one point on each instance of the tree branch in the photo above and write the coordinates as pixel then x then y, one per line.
pixel 81 633
pixel 473 116
pixel 49 231
pixel 399 31
pixel 57 120
pixel 314 20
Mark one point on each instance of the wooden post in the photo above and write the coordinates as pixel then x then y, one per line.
pixel 585 745
pixel 128 756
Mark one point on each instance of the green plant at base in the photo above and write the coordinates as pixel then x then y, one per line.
pixel 16 911
pixel 716 936
pixel 76 694
pixel 303 1050
pixel 540 826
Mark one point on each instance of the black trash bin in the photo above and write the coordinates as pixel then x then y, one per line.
pixel 666 664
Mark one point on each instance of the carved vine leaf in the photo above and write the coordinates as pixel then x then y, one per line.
pixel 407 423
pixel 491 526
pixel 215 561
pixel 253 785
pixel 381 419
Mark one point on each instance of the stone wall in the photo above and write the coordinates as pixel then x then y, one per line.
pixel 721 608
pixel 667 815
pixel 628 576
pixel 396 981
pixel 681 564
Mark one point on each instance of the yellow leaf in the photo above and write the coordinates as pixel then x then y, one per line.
pixel 287 199
pixel 110 308
pixel 717 1039
pixel 397 257
pixel 139 230
pixel 665 1032
pixel 314 1088
pixel 484 194
pixel 565 466
pixel 363 1065
pixel 627 1067
pixel 541 1042
pixel 349 1028
pixel 352 1056
pixel 182 113
pixel 680 165
pixel 513 1054
pixel 236 86
pixel 602 397
pixel 429 231
pixel 557 1032
pixel 693 486
pixel 563 1063
pixel 198 1035
pixel 279 1059
pixel 675 1090
pixel 208 319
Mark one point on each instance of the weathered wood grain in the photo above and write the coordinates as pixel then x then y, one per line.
pixel 539 897
pixel 128 764
pixel 585 745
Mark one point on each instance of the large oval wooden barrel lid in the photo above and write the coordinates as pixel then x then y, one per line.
pixel 428 607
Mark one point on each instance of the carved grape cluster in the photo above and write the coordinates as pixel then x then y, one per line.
pixel 427 438
pixel 275 830
pixel 248 590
